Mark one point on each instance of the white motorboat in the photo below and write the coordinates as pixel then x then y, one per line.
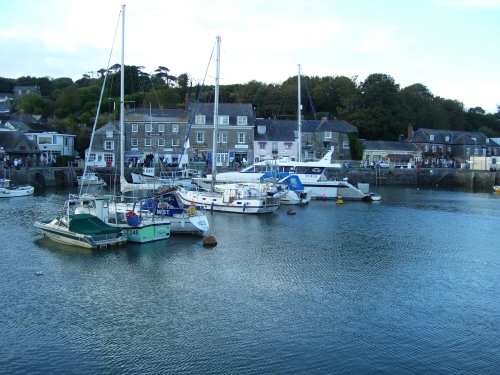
pixel 90 179
pixel 9 191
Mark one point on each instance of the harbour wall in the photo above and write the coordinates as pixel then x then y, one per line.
pixel 475 180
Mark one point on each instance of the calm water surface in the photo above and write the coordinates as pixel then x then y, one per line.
pixel 408 285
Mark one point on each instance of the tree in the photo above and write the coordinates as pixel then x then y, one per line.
pixel 32 104
pixel 163 73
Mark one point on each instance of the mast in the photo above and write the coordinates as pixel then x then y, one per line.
pixel 299 117
pixel 122 101
pixel 216 113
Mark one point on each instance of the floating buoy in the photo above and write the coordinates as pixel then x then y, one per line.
pixel 340 200
pixel 209 241
pixel 290 212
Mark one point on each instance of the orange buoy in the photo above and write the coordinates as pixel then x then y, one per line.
pixel 209 241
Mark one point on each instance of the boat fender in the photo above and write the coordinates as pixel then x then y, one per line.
pixel 191 211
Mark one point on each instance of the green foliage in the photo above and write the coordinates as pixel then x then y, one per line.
pixel 377 106
pixel 32 104
pixel 356 146
pixel 62 160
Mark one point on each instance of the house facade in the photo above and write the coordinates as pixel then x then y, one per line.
pixel 235 134
pixel 395 154
pixel 156 134
pixel 276 139
pixel 105 146
pixel 442 147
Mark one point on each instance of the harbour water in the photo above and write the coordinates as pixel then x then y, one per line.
pixel 407 285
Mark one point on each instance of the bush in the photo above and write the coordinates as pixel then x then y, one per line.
pixel 62 160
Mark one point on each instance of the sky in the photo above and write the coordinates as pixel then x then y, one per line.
pixel 450 46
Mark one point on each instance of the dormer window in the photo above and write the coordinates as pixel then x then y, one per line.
pixel 447 138
pixel 431 137
pixel 242 120
pixel 261 129
pixel 199 120
pixel 223 120
pixel 328 135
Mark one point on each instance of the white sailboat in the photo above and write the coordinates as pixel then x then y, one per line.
pixel 237 198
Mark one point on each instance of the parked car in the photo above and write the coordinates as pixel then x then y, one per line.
pixel 383 164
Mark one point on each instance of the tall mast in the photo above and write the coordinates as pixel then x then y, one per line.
pixel 299 116
pixel 216 112
pixel 122 100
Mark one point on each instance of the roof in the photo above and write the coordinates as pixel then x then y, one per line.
pixel 284 130
pixel 225 109
pixel 394 146
pixel 142 114
pixel 17 125
pixel 17 143
pixel 445 136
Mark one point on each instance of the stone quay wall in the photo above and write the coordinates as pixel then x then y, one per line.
pixel 480 180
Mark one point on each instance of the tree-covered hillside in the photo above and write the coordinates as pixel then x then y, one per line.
pixel 377 106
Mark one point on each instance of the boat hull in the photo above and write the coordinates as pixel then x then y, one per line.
pixel 221 203
pixel 147 233
pixel 20 191
pixel 60 233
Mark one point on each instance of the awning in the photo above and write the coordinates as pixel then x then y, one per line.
pixel 400 156
pixel 133 154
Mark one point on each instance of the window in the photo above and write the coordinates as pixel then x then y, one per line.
pixel 200 137
pixel 222 157
pixel 223 120
pixel 199 120
pixel 109 134
pixel 328 135
pixel 431 137
pixel 447 138
pixel 135 128
pixel 147 142
pixel 275 146
pixel 241 120
pixel 148 128
pixel 91 157
pixel 161 142
pixel 221 137
pixel 109 145
pixel 241 137
pixel 288 146
pixel 175 142
pixel 262 145
pixel 161 128
pixel 108 157
pixel 134 142
pixel 175 128
pixel 345 145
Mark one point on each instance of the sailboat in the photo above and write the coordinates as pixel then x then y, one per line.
pixel 140 228
pixel 161 211
pixel 237 198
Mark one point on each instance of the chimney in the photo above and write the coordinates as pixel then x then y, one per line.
pixel 410 132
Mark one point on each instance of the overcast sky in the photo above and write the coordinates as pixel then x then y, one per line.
pixel 450 46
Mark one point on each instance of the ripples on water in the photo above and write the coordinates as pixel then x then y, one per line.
pixel 406 285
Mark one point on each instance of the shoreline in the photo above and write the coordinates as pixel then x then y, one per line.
pixel 471 179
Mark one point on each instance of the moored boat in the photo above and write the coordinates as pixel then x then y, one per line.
pixel 9 191
pixel 82 230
